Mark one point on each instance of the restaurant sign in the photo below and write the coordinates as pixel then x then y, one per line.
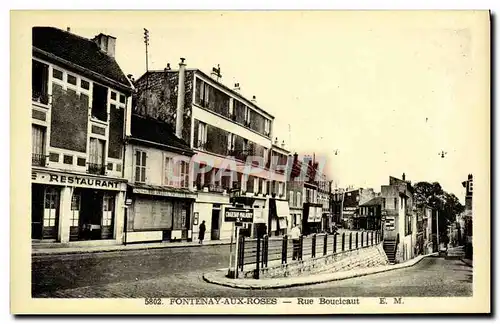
pixel 82 181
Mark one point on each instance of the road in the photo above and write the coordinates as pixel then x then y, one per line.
pixel 177 272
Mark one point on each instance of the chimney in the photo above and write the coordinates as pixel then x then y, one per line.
pixel 403 177
pixel 179 121
pixel 106 43
pixel 236 87
pixel 168 68
pixel 276 141
pixel 254 100
pixel 282 144
pixel 68 29
pixel 131 78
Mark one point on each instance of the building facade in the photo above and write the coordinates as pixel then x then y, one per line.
pixel 80 98
pixel 224 129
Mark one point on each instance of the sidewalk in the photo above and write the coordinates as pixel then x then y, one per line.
pixel 467 262
pixel 219 277
pixel 39 251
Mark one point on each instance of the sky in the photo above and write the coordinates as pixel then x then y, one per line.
pixel 388 92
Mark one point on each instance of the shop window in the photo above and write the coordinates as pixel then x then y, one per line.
pixel 96 156
pixel 75 209
pixel 51 207
pixel 37 145
pixel 108 207
pixel 100 102
pixel 140 166
pixel 39 82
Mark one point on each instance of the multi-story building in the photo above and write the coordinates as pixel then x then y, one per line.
pixel 467 215
pixel 224 129
pixel 351 200
pixel 312 213
pixel 336 198
pixel 400 217
pixel 324 190
pixel 80 97
pixel 370 214
pixel 160 198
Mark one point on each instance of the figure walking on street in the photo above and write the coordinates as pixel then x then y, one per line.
pixel 201 234
pixel 295 234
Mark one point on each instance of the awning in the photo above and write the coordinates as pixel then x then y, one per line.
pixel 282 209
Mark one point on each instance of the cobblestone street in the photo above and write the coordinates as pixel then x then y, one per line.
pixel 178 273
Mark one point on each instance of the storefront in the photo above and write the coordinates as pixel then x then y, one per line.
pixel 76 207
pixel 158 213
pixel 258 205
pixel 279 217
pixel 312 216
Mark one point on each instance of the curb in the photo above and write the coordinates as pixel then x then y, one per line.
pixel 470 264
pixel 217 281
pixel 121 249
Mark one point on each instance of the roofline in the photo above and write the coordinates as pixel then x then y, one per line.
pixel 188 151
pixel 235 93
pixel 98 76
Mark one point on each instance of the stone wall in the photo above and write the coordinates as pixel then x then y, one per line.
pixel 361 258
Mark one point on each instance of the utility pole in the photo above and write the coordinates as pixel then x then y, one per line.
pixel 146 41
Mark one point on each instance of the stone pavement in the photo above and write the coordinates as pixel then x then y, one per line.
pixel 39 250
pixel 219 277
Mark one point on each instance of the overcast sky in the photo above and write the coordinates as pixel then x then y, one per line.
pixel 388 91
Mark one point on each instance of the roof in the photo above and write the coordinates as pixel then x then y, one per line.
pixel 157 132
pixel 373 202
pixel 78 50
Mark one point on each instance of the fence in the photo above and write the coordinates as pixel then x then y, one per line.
pixel 259 253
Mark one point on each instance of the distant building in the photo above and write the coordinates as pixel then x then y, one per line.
pixel 467 215
pixel 370 214
pixel 351 200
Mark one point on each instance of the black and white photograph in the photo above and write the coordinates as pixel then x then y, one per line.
pixel 254 161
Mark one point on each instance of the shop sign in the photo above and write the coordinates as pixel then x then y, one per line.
pixel 75 180
pixel 238 215
pixel 164 193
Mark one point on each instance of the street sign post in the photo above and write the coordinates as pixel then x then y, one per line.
pixel 237 216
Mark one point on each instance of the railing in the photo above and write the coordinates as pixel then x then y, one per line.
pixel 38 159
pixel 96 168
pixel 260 252
pixel 39 96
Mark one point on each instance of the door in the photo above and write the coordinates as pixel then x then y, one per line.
pixel 37 208
pixel 215 233
pixel 50 213
pixel 108 210
pixel 74 229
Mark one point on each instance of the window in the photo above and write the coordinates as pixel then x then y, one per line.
pixel 39 82
pixel 113 95
pixel 122 98
pixel 38 145
pixel 202 135
pixel 176 174
pixel 96 155
pixel 51 206
pixel 230 142
pixel 67 159
pixel 267 127
pixel 57 74
pixel 470 185
pixel 71 79
pixel 184 174
pixel 395 203
pixel 402 205
pixel 84 84
pixel 140 166
pixel 75 208
pixel 383 203
pixel 299 199
pixel 100 102
pixel 251 184
pixel 231 107
pixel 290 198
pixel 247 116
pixel 108 207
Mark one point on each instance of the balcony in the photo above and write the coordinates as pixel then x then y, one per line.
pixel 40 97
pixel 38 159
pixel 94 168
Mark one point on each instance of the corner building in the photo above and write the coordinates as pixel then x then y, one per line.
pixel 79 102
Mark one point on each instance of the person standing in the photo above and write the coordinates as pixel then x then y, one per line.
pixel 295 234
pixel 201 234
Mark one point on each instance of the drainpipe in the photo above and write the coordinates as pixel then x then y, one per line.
pixel 180 100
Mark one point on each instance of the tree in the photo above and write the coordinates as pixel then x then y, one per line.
pixel 433 195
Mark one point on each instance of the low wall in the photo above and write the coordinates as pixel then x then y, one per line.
pixel 342 261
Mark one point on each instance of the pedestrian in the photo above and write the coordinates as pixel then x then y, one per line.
pixel 295 234
pixel 201 234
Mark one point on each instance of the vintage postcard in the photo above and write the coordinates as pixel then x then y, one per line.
pixel 250 162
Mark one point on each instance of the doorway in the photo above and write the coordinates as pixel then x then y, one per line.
pixel 37 208
pixel 215 233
